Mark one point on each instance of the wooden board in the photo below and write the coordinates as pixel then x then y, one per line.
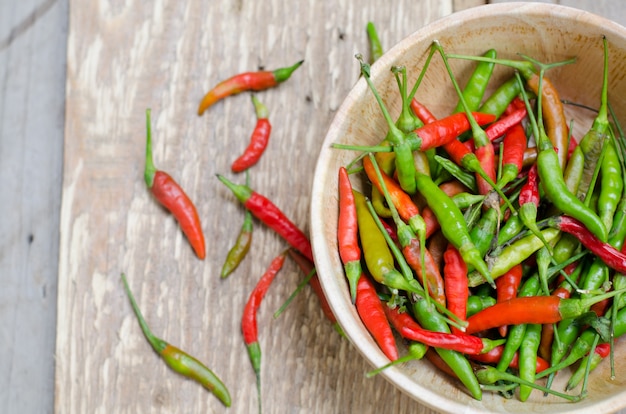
pixel 124 57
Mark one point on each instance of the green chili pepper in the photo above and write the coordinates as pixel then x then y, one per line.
pixel 477 83
pixel 452 224
pixel 467 179
pixel 574 171
pixel 516 333
pixel 428 317
pixel 179 360
pixel 476 303
pixel 611 184
pixel 514 254
pixel 592 142
pixel 500 99
pixel 528 358
pixel 483 232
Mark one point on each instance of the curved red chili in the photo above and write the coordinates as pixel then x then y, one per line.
pixel 171 196
pixel 347 233
pixel 372 313
pixel 456 283
pixel 266 211
pixel 249 327
pixel 258 141
pixel 247 81
pixel 506 288
pixel 614 258
pixel 504 124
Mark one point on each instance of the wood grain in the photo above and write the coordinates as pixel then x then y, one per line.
pixel 124 57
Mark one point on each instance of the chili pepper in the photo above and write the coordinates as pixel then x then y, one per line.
pixel 493 357
pixel 477 84
pixel 372 313
pixel 612 184
pixel 506 288
pixel 376 49
pixel 476 303
pixel 483 232
pixel 499 100
pixel 378 258
pixel 609 254
pixel 528 358
pixel 430 319
pixel 307 267
pixel 506 124
pixel 171 196
pixel 347 233
pixel 249 327
pixel 179 360
pixel 422 112
pixel 513 154
pixel 514 254
pixel 266 211
pixel 408 328
pixel 247 81
pixel 516 333
pixel 592 142
pixel 534 309
pixel 455 279
pixel 241 247
pixel 563 291
pixel 258 141
pixel 601 352
pixel 511 228
pixel 574 171
pixel 452 224
pixel 467 179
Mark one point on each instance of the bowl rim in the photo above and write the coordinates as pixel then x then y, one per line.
pixel 356 334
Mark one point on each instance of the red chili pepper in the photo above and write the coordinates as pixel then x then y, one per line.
pixel 247 81
pixel 456 283
pixel 514 145
pixel 422 112
pixel 487 157
pixel 258 141
pixel 347 233
pixel 446 129
pixel 530 190
pixel 408 328
pixel 266 211
pixel 248 319
pixel 531 309
pixel 493 357
pixel 372 313
pixel 502 125
pixel 614 258
pixel 171 196
pixel 506 288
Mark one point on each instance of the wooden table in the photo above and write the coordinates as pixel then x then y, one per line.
pixel 76 80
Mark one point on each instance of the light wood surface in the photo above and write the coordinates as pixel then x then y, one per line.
pixel 76 78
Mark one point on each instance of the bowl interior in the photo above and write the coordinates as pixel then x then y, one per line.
pixel 548 33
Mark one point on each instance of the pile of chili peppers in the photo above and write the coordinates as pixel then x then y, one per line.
pixel 490 241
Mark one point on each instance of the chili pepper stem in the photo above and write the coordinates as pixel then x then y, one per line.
pixel 291 297
pixel 150 169
pixel 489 375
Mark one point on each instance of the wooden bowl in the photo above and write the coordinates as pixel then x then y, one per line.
pixel 546 32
